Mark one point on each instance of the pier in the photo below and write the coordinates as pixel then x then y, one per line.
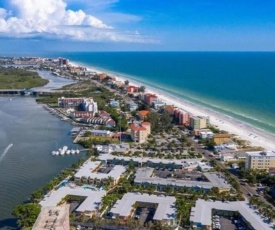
pixel 21 92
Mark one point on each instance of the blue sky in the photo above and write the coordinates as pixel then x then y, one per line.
pixel 143 25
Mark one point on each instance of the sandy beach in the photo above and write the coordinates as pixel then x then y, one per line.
pixel 241 129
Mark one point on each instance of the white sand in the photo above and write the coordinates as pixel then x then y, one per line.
pixel 243 130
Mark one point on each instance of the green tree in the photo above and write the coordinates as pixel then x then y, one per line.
pixel 26 214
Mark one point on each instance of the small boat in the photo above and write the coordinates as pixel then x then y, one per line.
pixel 68 152
pixel 72 151
pixel 77 151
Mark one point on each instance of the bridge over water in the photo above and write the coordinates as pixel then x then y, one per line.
pixel 21 92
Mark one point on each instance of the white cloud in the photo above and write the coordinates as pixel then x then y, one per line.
pixel 51 19
pixel 3 13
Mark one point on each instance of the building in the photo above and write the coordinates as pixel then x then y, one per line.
pixel 53 218
pixel 149 162
pixel 90 206
pixel 83 104
pixel 221 138
pixel 203 133
pixel 142 114
pixel 201 214
pixel 144 176
pixel 158 104
pixel 260 160
pixel 63 61
pixel 101 133
pixel 81 114
pixel 149 98
pixel 132 89
pixel 182 116
pixel 199 122
pixel 101 76
pixel 165 206
pixel 69 102
pixel 89 172
pixel 108 122
pixel 131 105
pixel 140 132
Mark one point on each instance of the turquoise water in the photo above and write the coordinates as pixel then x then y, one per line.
pixel 241 85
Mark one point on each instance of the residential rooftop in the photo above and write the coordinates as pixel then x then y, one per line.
pixel 88 168
pixel 261 153
pixel 144 175
pixel 166 209
pixel 106 157
pixel 53 217
pixel 202 213
pixel 91 203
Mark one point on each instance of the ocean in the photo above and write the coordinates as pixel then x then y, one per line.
pixel 238 84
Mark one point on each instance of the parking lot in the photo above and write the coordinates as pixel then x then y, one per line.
pixel 144 215
pixel 227 223
pixel 106 169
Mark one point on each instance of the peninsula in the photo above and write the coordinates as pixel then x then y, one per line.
pixel 151 162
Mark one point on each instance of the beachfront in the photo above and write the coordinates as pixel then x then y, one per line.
pixel 240 129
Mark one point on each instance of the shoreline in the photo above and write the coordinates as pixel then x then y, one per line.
pixel 243 130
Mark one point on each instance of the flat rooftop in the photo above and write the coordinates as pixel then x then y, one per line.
pixel 53 217
pixel 106 157
pixel 261 154
pixel 91 203
pixel 86 170
pixel 166 209
pixel 202 213
pixel 144 175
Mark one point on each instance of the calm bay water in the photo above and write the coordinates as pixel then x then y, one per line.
pixel 241 85
pixel 28 164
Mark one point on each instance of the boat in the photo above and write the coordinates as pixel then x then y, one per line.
pixel 68 152
pixel 77 151
pixel 72 151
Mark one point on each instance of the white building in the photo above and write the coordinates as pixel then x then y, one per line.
pixel 88 171
pixel 145 176
pixel 165 211
pixel 89 206
pixel 90 105
pixel 201 214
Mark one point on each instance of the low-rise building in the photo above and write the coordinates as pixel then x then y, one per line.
pixel 53 218
pixel 142 114
pixel 90 206
pixel 131 105
pixel 132 89
pixel 88 172
pixel 165 207
pixel 222 138
pixel 140 131
pixel 260 160
pixel 144 176
pixel 201 215
pixel 118 148
pixel 149 162
pixel 158 104
pixel 102 133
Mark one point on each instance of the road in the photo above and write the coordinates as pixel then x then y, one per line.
pixel 247 190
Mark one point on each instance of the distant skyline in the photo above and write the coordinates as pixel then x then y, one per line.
pixel 136 25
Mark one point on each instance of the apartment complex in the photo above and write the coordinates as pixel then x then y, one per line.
pixel 140 132
pixel 260 160
pixel 84 104
pixel 199 122
pixel 165 206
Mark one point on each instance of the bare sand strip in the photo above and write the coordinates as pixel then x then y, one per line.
pixel 241 129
